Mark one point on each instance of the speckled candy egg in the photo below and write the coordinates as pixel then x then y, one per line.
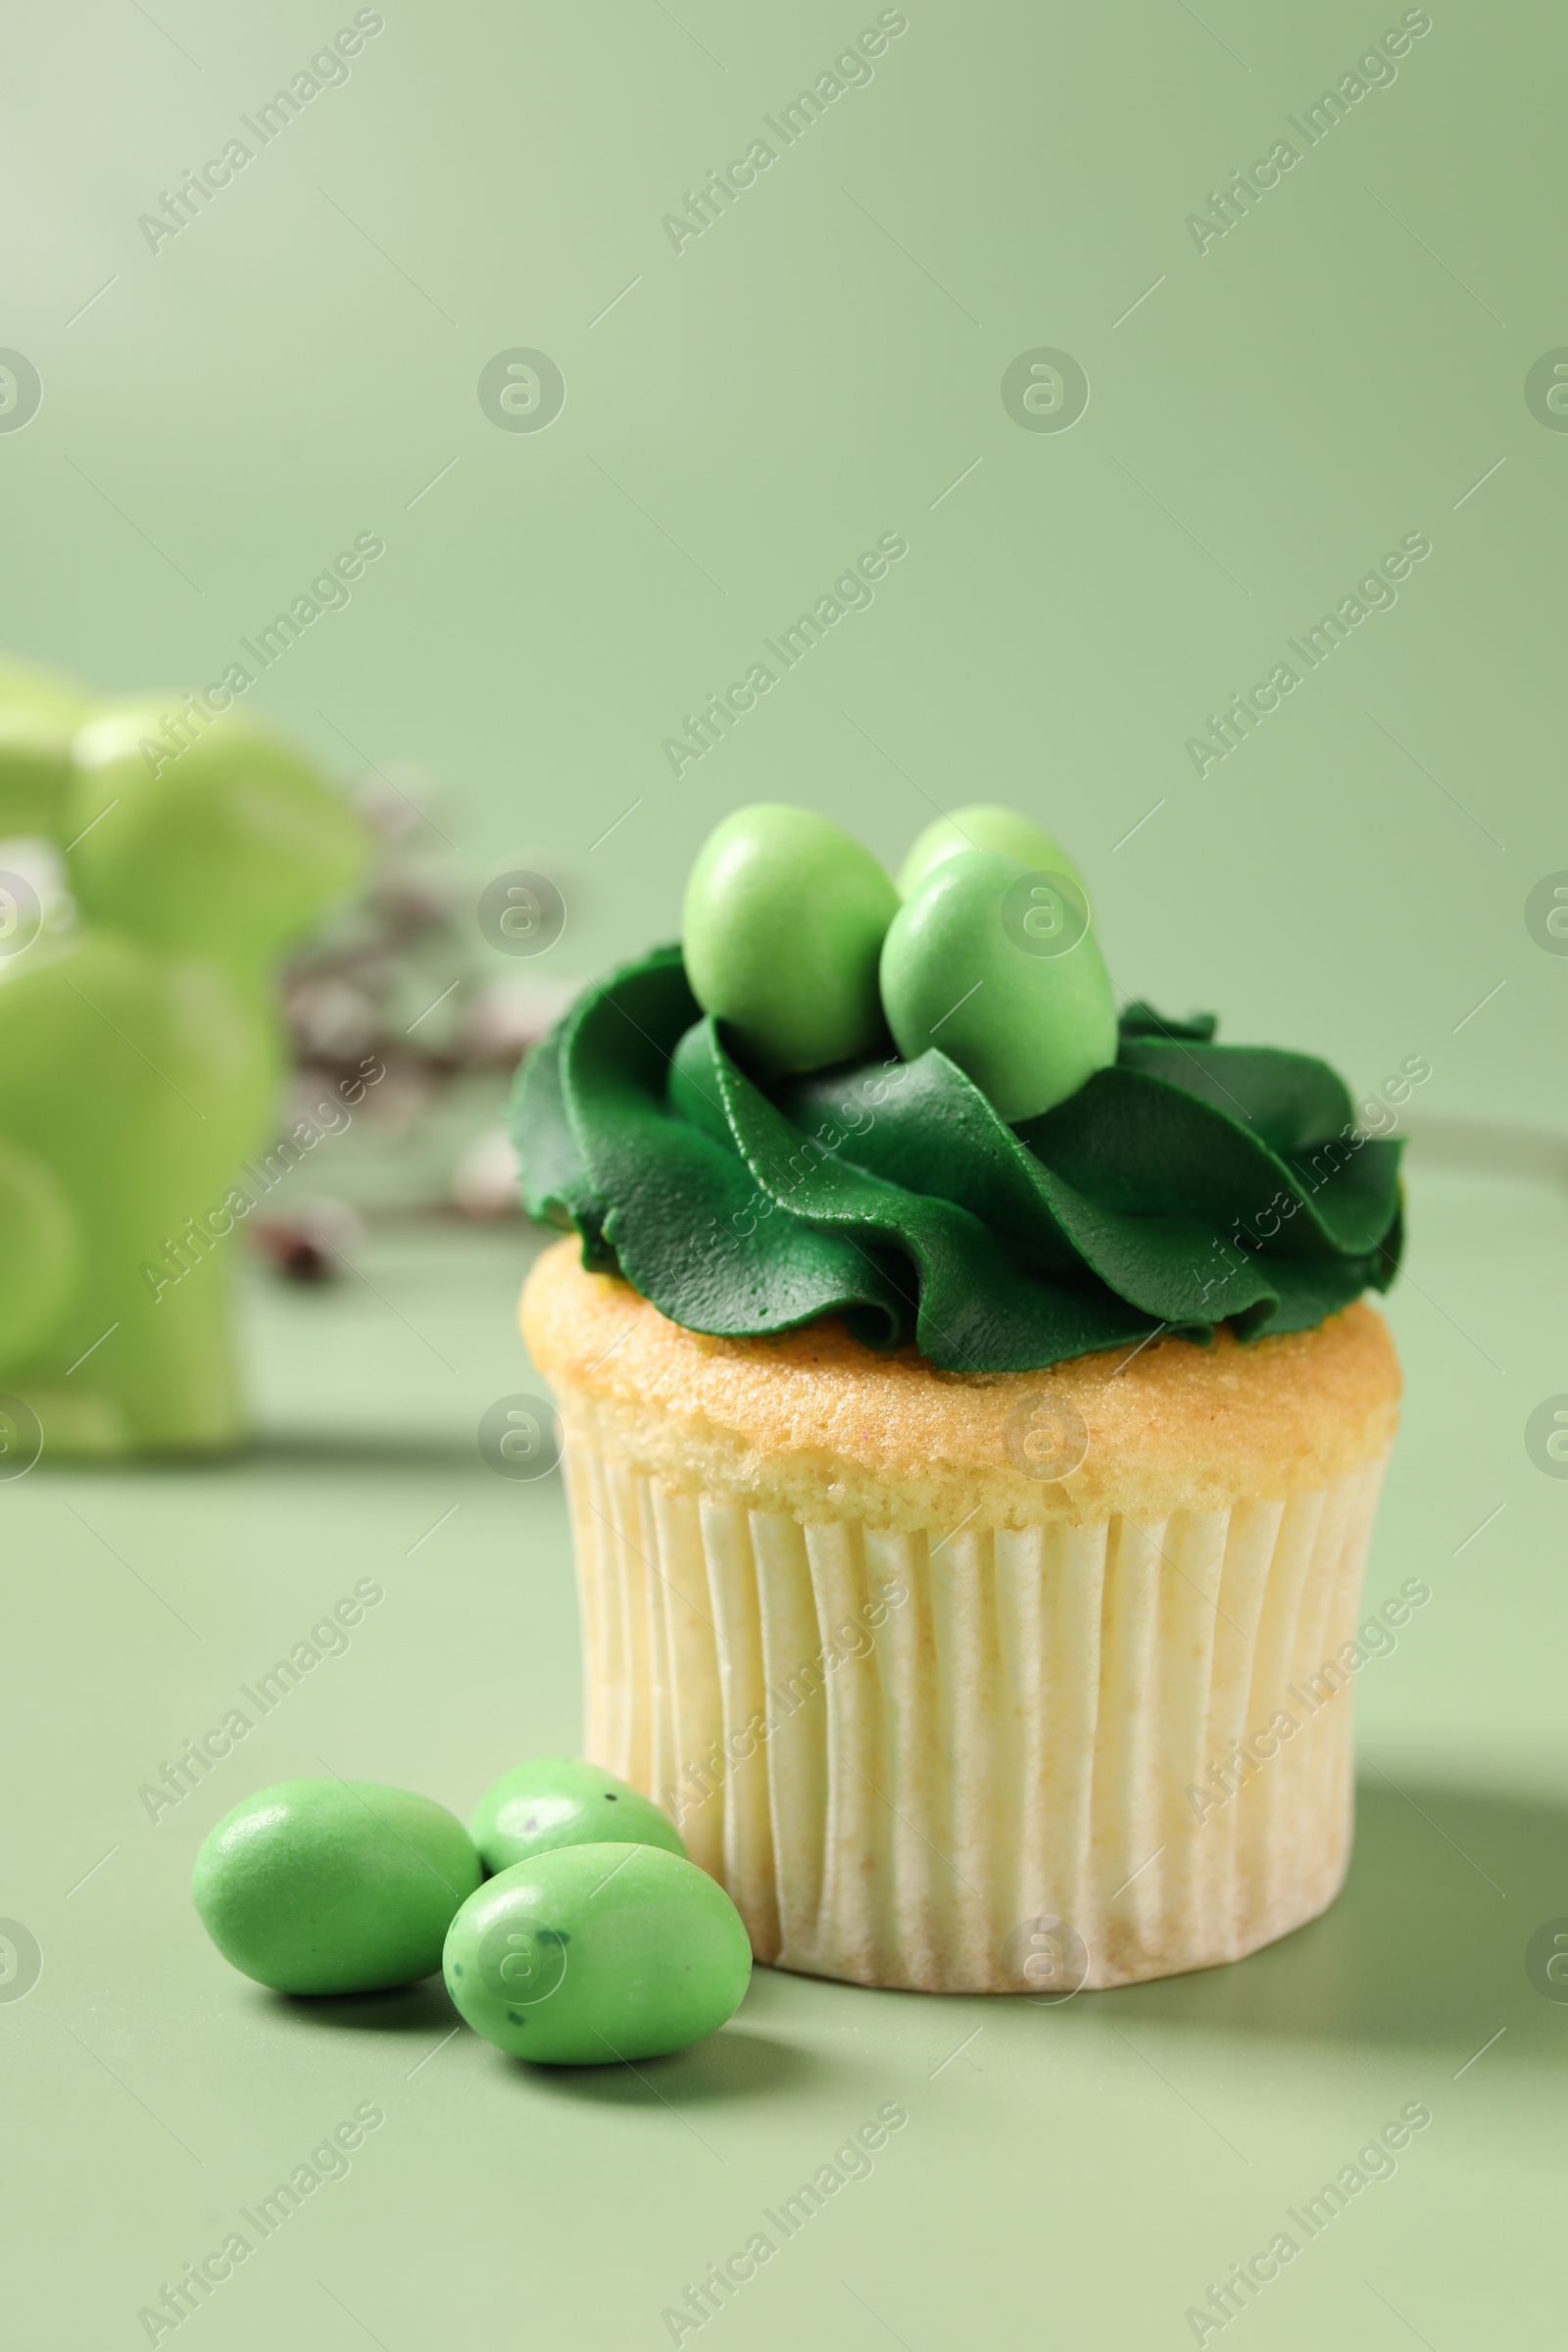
pixel 560 1800
pixel 334 1886
pixel 593 1953
pixel 784 920
pixel 997 966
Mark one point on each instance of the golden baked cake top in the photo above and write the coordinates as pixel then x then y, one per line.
pixel 816 1423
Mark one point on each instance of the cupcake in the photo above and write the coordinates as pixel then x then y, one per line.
pixel 972 1419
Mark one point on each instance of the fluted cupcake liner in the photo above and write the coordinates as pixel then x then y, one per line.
pixel 991 1759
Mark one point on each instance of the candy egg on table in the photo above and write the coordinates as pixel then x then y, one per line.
pixel 587 1954
pixel 997 965
pixel 560 1800
pixel 334 1886
pixel 784 919
pixel 985 826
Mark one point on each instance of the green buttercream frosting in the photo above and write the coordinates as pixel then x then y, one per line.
pixel 1189 1185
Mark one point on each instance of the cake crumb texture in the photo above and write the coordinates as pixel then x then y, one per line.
pixel 817 1425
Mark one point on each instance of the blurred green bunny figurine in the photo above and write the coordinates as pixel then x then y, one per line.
pixel 141 1054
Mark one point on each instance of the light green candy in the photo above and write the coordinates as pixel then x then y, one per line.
pixel 39 713
pixel 334 1886
pixel 559 1800
pixel 993 965
pixel 591 1953
pixel 784 920
pixel 986 826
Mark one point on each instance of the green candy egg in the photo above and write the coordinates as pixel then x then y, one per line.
pixel 590 1954
pixel 559 1800
pixel 997 967
pixel 334 1886
pixel 986 826
pixel 784 919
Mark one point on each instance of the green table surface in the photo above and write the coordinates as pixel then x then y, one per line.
pixel 1077 2175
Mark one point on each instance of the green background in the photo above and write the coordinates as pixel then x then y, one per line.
pixel 822 366
pixel 764 403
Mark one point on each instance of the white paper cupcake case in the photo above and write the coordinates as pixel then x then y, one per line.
pixel 974 1737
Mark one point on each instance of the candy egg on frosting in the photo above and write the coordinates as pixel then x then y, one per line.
pixel 985 826
pixel 783 924
pixel 994 963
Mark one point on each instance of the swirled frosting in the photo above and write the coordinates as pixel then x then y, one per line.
pixel 1190 1184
